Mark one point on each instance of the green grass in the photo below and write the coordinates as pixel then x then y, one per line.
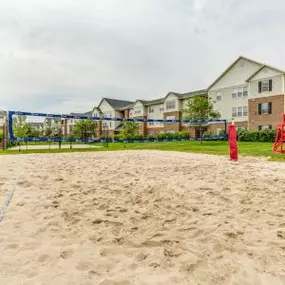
pixel 219 148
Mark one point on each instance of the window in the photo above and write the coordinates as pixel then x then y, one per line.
pixel 234 93
pixel 170 118
pixel 265 85
pixel 239 92
pixel 265 108
pixel 264 127
pixel 245 111
pixel 245 92
pixel 137 111
pixel 161 109
pixel 234 112
pixel 110 124
pixel 219 96
pixel 151 123
pixel 239 113
pixel 150 109
pixel 170 104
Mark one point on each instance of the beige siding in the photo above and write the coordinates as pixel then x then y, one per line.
pixel 157 114
pixel 118 114
pixel 237 75
pixel 172 97
pixel 109 112
pixel 225 105
pixel 184 103
pixel 266 72
pixel 138 110
pixel 277 87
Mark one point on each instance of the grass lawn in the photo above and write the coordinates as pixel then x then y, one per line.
pixel 220 148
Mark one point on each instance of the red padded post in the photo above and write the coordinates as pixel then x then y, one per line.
pixel 232 131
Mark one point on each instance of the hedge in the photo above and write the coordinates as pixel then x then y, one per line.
pixel 259 136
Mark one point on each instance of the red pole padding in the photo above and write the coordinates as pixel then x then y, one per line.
pixel 233 142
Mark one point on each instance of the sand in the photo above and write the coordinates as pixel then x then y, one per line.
pixel 145 217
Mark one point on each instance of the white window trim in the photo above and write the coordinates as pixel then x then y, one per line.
pixel 236 91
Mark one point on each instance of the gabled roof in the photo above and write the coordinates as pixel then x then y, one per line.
pixel 117 104
pixel 150 102
pixel 192 94
pixel 239 58
pixel 180 96
pixel 88 114
pixel 154 102
pixel 263 66
pixel 127 107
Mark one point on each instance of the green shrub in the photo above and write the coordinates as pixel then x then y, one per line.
pixel 258 136
pixel 183 135
pixel 162 135
pixel 151 137
pixel 207 134
pixel 171 135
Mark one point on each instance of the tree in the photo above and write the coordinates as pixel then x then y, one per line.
pixel 85 129
pixel 20 126
pixel 199 108
pixel 130 131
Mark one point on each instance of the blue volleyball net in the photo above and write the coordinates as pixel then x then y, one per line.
pixel 44 127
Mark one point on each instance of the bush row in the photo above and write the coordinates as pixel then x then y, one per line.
pixel 260 136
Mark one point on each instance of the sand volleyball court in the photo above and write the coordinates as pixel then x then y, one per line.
pixel 145 217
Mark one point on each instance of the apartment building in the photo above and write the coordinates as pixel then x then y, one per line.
pixel 249 93
pixel 111 108
pixel 169 107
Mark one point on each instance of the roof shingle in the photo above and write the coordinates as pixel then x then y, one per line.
pixel 118 104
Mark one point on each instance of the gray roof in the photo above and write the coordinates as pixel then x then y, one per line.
pixel 122 104
pixel 88 114
pixel 127 107
pixel 153 102
pixel 118 104
pixel 179 95
pixel 191 94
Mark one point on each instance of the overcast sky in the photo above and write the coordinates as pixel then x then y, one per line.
pixel 65 55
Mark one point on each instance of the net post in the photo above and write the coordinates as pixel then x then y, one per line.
pixel 233 142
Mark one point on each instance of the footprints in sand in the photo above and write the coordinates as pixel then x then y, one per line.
pixel 44 258
pixel 24 183
pixel 12 246
pixel 66 254
pixel 84 266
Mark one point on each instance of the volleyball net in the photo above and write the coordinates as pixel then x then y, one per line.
pixel 44 127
